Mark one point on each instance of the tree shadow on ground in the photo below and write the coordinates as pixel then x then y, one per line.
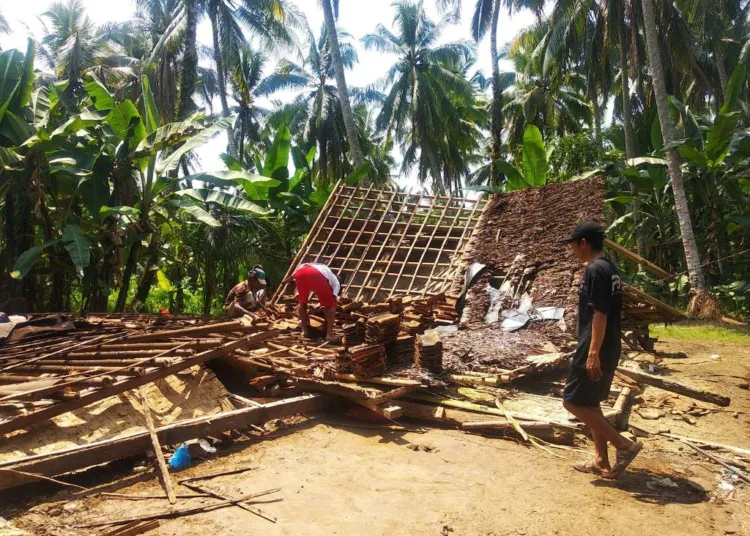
pixel 655 487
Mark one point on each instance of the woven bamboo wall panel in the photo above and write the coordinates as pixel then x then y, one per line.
pixel 383 243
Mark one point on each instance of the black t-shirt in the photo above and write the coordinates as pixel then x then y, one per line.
pixel 601 290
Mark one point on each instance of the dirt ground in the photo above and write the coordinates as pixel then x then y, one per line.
pixel 348 480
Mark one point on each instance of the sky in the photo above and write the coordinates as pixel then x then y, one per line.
pixel 357 17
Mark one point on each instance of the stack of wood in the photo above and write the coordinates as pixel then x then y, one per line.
pixel 401 352
pixel 367 361
pixel 429 351
pixel 354 333
pixel 383 328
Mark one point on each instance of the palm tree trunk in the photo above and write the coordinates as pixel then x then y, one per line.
pixel 189 61
pixel 122 296
pixel 692 255
pixel 496 124
pixel 222 80
pixel 338 69
pixel 597 120
pixel 627 125
pixel 147 279
pixel 723 79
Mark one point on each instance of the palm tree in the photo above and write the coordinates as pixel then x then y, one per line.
pixel 271 20
pixel 4 28
pixel 486 14
pixel 422 87
pixel 72 45
pixel 188 73
pixel 555 101
pixel 338 69
pixel 245 81
pixel 316 111
pixel 692 255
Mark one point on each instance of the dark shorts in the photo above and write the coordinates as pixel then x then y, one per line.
pixel 583 391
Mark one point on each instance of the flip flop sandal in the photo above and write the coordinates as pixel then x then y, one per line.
pixel 589 468
pixel 624 458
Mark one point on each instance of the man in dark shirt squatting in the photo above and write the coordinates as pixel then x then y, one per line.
pixel 598 351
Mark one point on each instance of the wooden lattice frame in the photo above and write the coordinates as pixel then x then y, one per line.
pixel 387 243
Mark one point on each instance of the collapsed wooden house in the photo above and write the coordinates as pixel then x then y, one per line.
pixel 403 257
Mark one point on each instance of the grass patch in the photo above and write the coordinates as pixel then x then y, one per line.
pixel 701 332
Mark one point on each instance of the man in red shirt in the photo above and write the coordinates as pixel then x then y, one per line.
pixel 318 279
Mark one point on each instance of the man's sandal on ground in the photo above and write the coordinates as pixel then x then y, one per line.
pixel 589 468
pixel 624 458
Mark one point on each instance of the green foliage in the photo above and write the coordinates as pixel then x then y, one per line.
pixel 574 154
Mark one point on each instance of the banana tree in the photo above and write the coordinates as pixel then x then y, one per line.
pixel 716 168
pixel 533 169
pixel 115 166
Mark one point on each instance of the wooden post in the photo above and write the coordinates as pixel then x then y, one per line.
pixel 161 462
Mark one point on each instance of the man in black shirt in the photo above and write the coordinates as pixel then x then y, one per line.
pixel 598 351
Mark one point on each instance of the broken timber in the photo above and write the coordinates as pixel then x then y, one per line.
pixel 58 463
pixel 675 386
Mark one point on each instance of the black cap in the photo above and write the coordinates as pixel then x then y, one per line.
pixel 590 230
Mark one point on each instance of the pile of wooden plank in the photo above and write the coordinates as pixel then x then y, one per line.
pixel 429 352
pixel 367 360
pixel 382 328
pixel 400 353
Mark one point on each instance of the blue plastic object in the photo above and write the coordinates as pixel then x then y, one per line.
pixel 181 458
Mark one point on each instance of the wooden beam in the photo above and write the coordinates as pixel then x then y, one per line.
pixel 676 313
pixel 58 463
pixel 648 265
pixel 675 386
pixel 234 325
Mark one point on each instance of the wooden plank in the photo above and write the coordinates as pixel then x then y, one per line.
pixel 128 384
pixel 112 449
pixel 648 265
pixel 675 386
pixel 160 461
